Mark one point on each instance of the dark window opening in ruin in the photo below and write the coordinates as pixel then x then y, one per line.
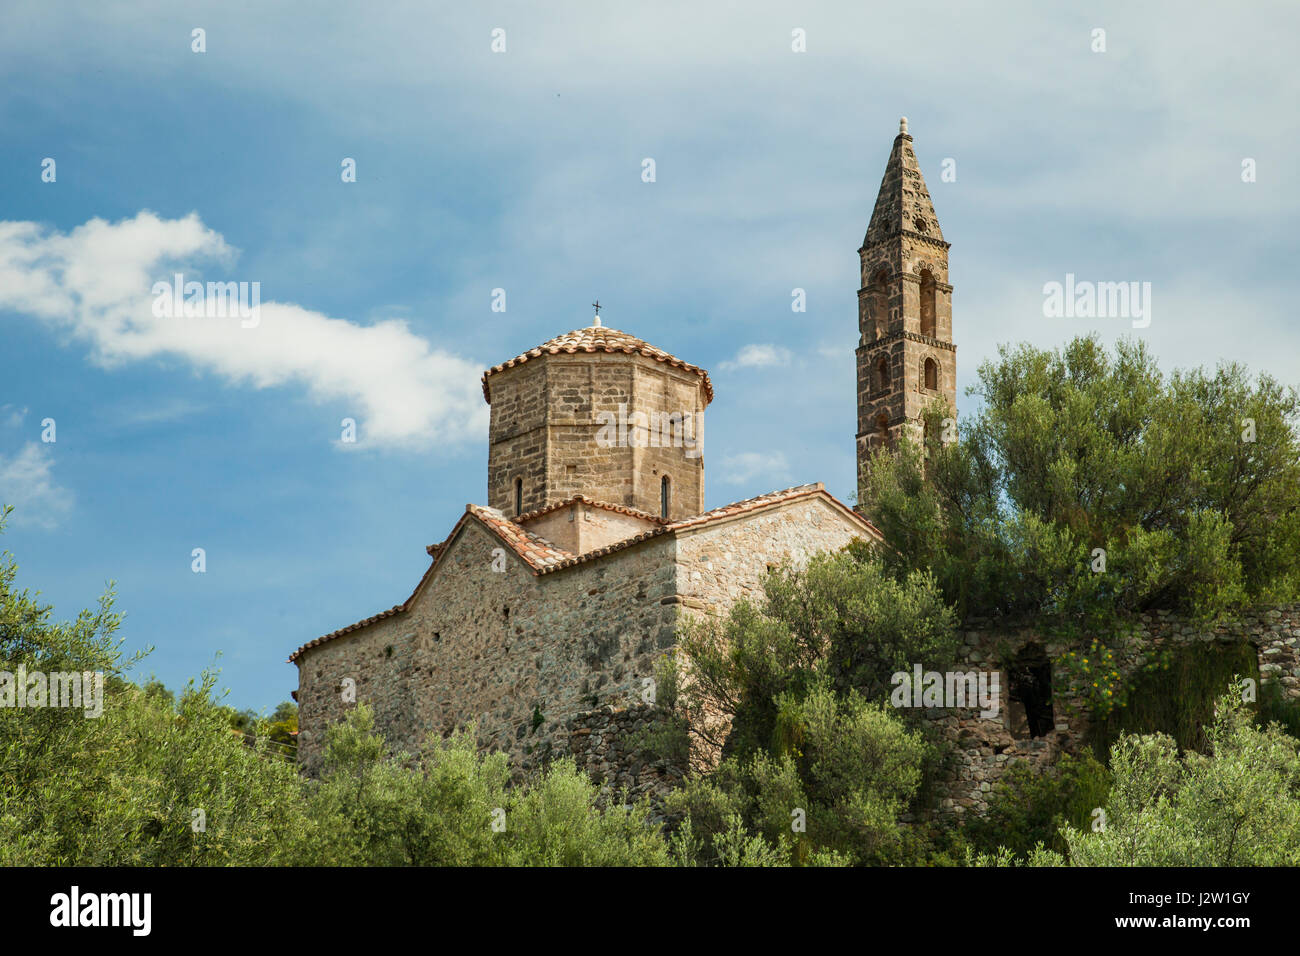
pixel 519 497
pixel 927 302
pixel 1029 680
pixel 882 373
pixel 665 495
pixel 931 373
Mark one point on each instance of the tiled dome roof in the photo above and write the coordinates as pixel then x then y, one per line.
pixel 598 338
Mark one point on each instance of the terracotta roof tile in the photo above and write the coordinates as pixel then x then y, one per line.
pixel 533 548
pixel 573 499
pixel 598 338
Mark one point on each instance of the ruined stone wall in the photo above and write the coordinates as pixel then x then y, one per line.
pixel 985 748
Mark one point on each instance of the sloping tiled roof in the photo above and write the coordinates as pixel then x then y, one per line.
pixel 545 558
pixel 573 499
pixel 598 338
pixel 539 553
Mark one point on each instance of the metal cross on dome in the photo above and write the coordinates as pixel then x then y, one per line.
pixel 596 305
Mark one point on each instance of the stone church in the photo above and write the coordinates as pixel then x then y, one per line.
pixel 543 612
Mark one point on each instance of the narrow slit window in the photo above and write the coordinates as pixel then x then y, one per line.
pixel 665 495
pixel 927 303
pixel 519 496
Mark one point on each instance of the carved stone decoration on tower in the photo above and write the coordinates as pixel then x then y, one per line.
pixel 906 356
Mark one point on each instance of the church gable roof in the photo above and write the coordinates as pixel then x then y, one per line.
pixel 538 553
pixel 592 502
pixel 598 338
pixel 543 557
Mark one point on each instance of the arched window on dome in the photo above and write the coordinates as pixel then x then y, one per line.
pixel 665 495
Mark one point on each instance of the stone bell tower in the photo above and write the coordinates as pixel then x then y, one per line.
pixel 906 357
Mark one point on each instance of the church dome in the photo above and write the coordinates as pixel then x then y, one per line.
pixel 598 338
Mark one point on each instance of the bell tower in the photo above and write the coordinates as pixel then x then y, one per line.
pixel 906 356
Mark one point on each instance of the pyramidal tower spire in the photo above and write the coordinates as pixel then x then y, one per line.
pixel 906 356
pixel 903 203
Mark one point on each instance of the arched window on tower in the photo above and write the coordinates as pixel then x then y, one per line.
pixel 665 495
pixel 882 373
pixel 519 497
pixel 927 303
pixel 878 299
pixel 931 374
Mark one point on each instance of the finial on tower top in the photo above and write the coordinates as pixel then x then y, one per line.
pixel 902 126
pixel 595 323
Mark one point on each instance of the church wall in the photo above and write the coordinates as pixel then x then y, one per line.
pixel 584 385
pixel 545 429
pixel 660 392
pixel 569 642
pixel 721 563
pixel 517 437
pixel 581 528
pixel 581 460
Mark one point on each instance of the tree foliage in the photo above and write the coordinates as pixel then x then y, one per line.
pixel 1186 486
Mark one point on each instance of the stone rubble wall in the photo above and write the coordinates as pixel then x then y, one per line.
pixel 608 744
pixel 987 747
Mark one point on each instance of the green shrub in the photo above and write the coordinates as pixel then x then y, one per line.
pixel 1175 694
pixel 1028 808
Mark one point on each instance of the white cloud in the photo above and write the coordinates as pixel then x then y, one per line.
pixel 12 415
pixel 96 281
pixel 27 484
pixel 757 356
pixel 747 465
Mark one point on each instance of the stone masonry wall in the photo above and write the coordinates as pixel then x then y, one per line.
pixel 545 428
pixel 987 747
pixel 541 662
pixel 517 653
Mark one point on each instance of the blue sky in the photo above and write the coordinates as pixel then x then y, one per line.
pixel 522 170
